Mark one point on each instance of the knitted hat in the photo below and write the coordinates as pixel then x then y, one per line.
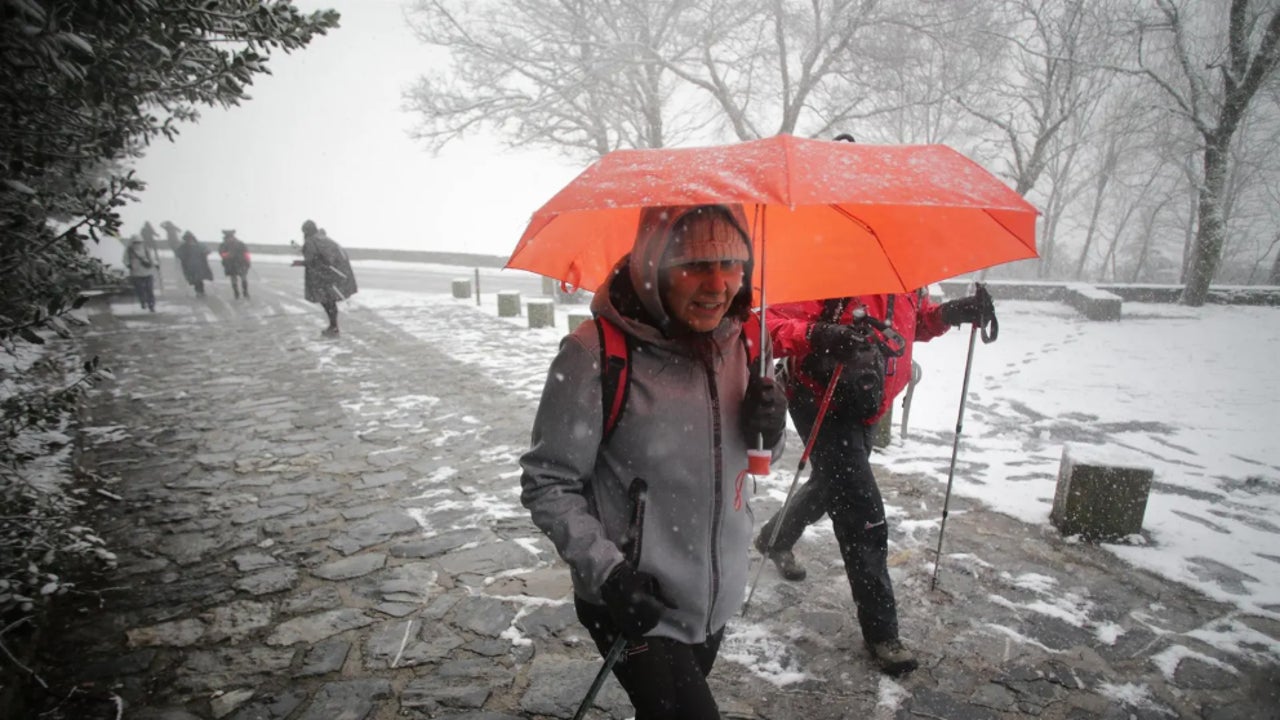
pixel 700 238
pixel 308 227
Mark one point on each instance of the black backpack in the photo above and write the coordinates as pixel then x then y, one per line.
pixel 860 390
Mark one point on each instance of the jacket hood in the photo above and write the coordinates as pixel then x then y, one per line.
pixel 642 268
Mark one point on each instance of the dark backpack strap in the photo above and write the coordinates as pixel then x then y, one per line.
pixel 615 364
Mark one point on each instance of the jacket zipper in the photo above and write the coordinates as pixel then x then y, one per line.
pixel 717 495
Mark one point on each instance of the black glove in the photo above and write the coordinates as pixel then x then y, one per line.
pixel 764 411
pixel 839 342
pixel 975 309
pixel 634 600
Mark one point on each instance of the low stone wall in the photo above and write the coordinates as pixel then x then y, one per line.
pixel 418 256
pixel 1044 290
pixel 1093 303
pixel 1056 291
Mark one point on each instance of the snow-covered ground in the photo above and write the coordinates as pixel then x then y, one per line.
pixel 1184 391
pixel 1188 392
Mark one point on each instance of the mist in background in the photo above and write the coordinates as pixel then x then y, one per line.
pixel 324 138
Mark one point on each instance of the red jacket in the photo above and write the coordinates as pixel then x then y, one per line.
pixel 914 317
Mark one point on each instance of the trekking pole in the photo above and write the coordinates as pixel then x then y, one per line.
pixel 637 492
pixel 786 504
pixel 955 444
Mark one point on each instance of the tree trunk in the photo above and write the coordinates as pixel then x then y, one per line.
pixel 1274 277
pixel 1148 237
pixel 1099 197
pixel 1206 253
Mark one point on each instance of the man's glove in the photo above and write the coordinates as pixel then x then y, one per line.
pixel 975 309
pixel 764 411
pixel 840 342
pixel 633 599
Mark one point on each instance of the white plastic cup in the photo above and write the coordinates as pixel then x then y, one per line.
pixel 758 461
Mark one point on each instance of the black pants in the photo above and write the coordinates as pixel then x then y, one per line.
pixel 665 679
pixel 144 290
pixel 331 310
pixel 242 288
pixel 843 486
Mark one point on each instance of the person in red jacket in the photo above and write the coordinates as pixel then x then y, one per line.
pixel 842 485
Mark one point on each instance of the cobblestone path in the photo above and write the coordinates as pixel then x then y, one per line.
pixel 321 530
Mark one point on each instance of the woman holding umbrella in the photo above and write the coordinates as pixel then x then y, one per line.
pixel 653 517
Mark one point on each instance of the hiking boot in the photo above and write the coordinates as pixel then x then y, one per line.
pixel 785 560
pixel 893 657
pixel 329 332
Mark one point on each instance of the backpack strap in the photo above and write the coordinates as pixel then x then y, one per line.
pixel 615 366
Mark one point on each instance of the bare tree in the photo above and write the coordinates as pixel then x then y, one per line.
pixel 1274 277
pixel 1051 76
pixel 566 75
pixel 590 76
pixel 1210 75
pixel 819 67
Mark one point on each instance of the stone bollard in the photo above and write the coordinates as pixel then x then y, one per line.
pixel 548 286
pixel 462 287
pixel 542 313
pixel 1101 495
pixel 577 318
pixel 509 303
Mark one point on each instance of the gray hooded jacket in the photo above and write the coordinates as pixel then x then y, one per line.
pixel 679 432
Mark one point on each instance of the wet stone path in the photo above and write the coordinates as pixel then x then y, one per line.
pixel 320 530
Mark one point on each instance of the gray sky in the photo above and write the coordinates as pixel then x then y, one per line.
pixel 324 138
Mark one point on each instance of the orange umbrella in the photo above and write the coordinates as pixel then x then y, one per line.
pixel 828 219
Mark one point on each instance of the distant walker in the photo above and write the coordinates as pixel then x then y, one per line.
pixel 329 278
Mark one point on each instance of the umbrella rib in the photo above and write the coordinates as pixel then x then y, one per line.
pixel 1007 229
pixel 871 231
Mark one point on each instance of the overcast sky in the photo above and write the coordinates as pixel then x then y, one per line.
pixel 324 138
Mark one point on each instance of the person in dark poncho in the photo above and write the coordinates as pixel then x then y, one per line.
pixel 328 277
pixel 194 259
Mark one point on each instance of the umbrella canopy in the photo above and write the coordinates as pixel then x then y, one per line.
pixel 828 219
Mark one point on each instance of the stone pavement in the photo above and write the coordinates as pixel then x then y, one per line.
pixel 320 530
